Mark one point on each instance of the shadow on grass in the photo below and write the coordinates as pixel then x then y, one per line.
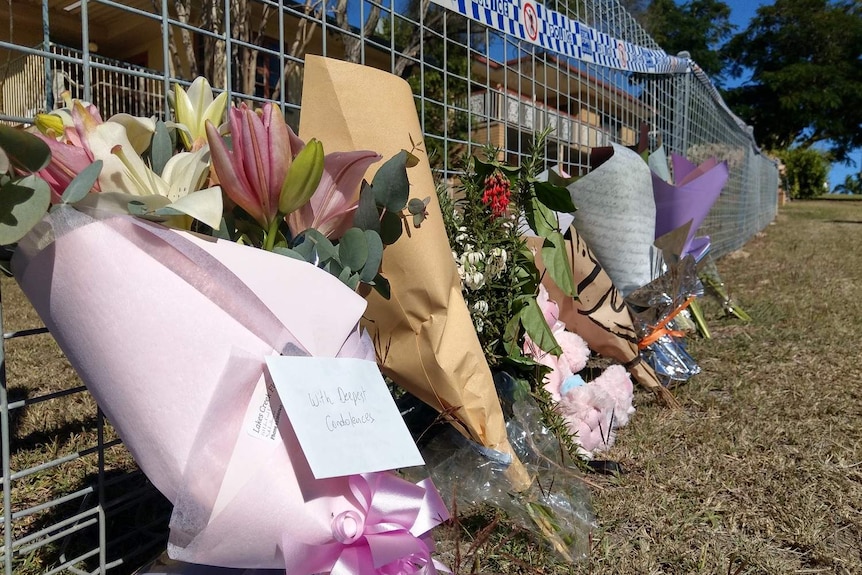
pixel 13 395
pixel 36 439
pixel 126 521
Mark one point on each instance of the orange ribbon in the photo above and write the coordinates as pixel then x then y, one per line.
pixel 660 329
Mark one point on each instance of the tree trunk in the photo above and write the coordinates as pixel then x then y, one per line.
pixel 183 13
pixel 353 46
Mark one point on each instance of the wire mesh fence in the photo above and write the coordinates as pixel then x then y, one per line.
pixel 72 499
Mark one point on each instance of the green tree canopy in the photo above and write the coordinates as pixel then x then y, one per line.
pixel 698 27
pixel 852 184
pixel 806 74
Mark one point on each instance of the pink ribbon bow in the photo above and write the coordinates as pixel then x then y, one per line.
pixel 387 534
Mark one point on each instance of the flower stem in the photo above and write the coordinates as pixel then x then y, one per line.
pixel 271 233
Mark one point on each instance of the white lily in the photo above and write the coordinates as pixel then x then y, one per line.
pixel 194 108
pixel 180 183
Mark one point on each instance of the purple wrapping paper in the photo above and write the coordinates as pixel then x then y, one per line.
pixel 688 198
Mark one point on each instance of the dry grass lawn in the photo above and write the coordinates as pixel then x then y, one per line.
pixel 759 472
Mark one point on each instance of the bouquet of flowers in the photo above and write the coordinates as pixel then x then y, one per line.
pixel 189 362
pixel 528 353
pixel 423 331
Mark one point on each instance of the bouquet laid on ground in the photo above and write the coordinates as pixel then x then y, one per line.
pixel 237 377
pixel 530 352
pixel 423 332
pixel 599 314
pixel 591 411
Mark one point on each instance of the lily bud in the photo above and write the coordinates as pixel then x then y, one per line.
pixel 302 178
pixel 50 124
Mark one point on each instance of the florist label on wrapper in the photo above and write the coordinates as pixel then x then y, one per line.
pixel 343 415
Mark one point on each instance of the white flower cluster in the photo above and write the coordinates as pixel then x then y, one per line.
pixel 476 267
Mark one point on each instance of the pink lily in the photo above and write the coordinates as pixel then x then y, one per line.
pixel 253 173
pixel 263 149
pixel 67 161
pixel 70 149
pixel 331 208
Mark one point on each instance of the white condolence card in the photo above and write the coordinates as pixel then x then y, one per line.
pixel 343 415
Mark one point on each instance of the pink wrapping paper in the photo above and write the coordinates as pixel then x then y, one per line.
pixel 169 332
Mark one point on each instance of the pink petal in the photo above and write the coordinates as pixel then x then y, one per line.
pixel 67 161
pixel 279 152
pixel 231 176
pixel 330 210
pixel 251 156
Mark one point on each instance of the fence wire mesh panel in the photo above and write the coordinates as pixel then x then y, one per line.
pixel 73 501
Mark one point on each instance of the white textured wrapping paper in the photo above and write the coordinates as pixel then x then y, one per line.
pixel 616 217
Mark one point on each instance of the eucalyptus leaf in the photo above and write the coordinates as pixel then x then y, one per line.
pixel 353 249
pixel 391 228
pixel 78 188
pixel 375 256
pixel 381 286
pixel 556 260
pixel 5 163
pixel 324 248
pixel 24 151
pixel 289 253
pixel 137 208
pixel 305 249
pixel 367 217
pixel 554 197
pixel 333 267
pixel 418 219
pixel 161 148
pixel 391 187
pixel 537 328
pixel 344 276
pixel 411 160
pixel 167 211
pixel 23 203
pixel 416 206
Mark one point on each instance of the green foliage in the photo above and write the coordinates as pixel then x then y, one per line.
pixel 81 185
pixel 22 151
pixel 23 202
pixel 699 27
pixel 380 220
pixel 24 199
pixel 499 276
pixel 852 184
pixel 805 172
pixel 806 74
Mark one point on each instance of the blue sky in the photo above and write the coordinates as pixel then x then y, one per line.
pixel 741 13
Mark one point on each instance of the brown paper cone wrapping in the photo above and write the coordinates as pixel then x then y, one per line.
pixel 426 339
pixel 598 314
